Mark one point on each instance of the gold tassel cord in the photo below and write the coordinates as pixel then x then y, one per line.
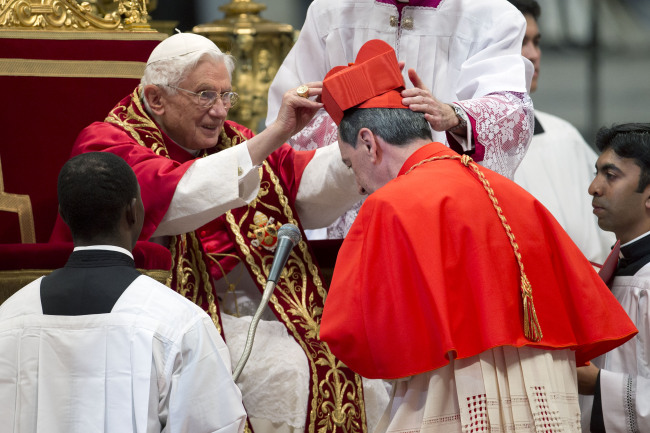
pixel 532 329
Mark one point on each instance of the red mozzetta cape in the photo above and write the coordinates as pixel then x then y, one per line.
pixel 427 273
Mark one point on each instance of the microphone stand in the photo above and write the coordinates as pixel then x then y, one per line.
pixel 268 291
pixel 288 237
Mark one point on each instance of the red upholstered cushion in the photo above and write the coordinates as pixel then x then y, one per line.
pixel 147 255
pixel 150 255
pixel 34 256
pixel 49 100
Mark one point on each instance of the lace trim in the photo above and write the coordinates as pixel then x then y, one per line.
pixel 504 127
pixel 546 419
pixel 629 405
pixel 320 131
pixel 478 414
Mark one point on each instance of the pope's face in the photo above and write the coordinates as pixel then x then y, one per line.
pixel 184 120
pixel 360 161
pixel 620 208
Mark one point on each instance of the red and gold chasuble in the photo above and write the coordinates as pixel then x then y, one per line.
pixel 250 232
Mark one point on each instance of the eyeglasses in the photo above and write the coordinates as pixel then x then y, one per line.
pixel 207 98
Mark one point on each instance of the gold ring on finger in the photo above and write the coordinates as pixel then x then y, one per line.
pixel 303 91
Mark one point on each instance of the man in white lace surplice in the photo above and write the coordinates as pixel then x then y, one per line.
pixel 559 164
pixel 465 52
pixel 616 386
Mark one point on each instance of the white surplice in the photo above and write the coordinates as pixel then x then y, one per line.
pixel 625 371
pixel 505 389
pixel 558 169
pixel 464 51
pixel 155 363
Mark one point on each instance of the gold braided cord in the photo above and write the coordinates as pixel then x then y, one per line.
pixel 532 329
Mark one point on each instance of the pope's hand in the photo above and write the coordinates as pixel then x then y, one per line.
pixel 296 111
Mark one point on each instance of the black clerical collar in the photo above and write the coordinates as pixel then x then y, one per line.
pixel 635 255
pixel 538 127
pixel 91 282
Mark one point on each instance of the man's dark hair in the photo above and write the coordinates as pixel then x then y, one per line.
pixel 93 190
pixel 528 7
pixel 397 126
pixel 629 140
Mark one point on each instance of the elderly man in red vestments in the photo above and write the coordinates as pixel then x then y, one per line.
pixel 453 280
pixel 216 196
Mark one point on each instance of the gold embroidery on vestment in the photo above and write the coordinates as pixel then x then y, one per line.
pixel 263 232
pixel 327 394
pixel 133 122
pixel 328 412
pixel 191 273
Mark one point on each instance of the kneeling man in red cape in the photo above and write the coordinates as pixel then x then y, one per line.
pixel 453 280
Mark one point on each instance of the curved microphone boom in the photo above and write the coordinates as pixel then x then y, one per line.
pixel 288 237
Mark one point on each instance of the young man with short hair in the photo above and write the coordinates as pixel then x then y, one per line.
pixel 620 379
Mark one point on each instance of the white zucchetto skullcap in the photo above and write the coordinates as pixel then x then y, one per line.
pixel 181 44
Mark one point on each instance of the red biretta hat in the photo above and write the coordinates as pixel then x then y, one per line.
pixel 373 81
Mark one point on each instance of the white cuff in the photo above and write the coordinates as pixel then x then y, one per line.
pixel 209 188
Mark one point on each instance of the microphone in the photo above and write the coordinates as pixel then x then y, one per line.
pixel 288 237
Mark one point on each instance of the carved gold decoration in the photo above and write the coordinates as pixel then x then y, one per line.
pixel 70 68
pixel 260 46
pixel 22 205
pixel 71 15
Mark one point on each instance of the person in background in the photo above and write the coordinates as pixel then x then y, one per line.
pixel 616 386
pixel 471 81
pixel 558 166
pixel 454 281
pixel 216 195
pixel 95 346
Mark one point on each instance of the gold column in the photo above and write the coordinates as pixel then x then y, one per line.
pixel 259 47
